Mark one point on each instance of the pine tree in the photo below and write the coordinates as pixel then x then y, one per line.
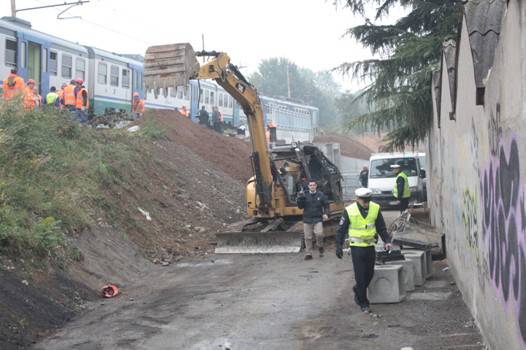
pixel 408 50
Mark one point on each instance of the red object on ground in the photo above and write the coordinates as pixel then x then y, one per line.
pixel 109 291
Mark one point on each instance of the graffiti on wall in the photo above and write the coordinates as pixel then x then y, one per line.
pixel 494 130
pixel 504 228
pixel 470 218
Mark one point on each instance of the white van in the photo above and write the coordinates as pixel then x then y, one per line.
pixel 382 179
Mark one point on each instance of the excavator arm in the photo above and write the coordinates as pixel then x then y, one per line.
pixel 230 78
pixel 173 65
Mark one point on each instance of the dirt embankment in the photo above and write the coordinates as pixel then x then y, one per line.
pixel 169 202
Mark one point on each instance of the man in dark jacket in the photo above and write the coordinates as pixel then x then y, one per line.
pixel 360 225
pixel 204 116
pixel 364 176
pixel 315 208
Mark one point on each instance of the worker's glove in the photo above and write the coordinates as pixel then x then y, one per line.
pixel 339 252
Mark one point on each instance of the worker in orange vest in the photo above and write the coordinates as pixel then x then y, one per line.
pixel 13 85
pixel 185 112
pixel 69 96
pixel 30 98
pixel 137 106
pixel 81 102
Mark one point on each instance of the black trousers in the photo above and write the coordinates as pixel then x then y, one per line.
pixel 404 204
pixel 363 259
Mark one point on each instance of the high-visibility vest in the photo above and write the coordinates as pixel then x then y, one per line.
pixel 13 85
pixel 79 104
pixel 69 95
pixel 29 99
pixel 407 192
pixel 362 231
pixel 51 98
pixel 138 106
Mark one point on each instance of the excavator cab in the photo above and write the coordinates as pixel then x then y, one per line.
pixel 279 172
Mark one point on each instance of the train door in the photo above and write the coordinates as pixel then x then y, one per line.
pixel 32 61
pixel 194 98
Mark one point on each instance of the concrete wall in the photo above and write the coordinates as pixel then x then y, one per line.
pixel 476 186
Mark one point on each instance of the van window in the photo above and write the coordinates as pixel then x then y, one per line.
pixel 53 63
pixel 381 168
pixel 67 66
pixel 10 53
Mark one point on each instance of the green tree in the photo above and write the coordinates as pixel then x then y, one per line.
pixel 281 78
pixel 408 50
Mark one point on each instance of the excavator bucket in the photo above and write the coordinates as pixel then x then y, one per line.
pixel 258 242
pixel 169 65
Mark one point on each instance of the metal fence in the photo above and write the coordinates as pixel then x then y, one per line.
pixel 350 183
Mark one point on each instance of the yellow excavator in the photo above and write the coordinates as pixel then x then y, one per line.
pixel 280 172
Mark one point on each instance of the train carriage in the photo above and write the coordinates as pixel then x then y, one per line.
pixel 48 60
pixel 114 79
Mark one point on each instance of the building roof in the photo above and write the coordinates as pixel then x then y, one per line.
pixel 483 20
pixel 348 146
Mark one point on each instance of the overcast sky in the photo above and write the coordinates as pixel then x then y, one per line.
pixel 308 32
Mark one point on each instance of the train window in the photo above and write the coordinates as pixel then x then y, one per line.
pixel 53 63
pixel 67 66
pixel 125 78
pixel 114 76
pixel 207 96
pixel 80 68
pixel 220 99
pixel 10 53
pixel 173 92
pixel 230 102
pixel 180 91
pixel 212 98
pixel 102 74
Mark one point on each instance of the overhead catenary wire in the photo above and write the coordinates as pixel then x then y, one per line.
pixel 103 26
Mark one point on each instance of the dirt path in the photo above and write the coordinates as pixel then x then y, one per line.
pixel 267 302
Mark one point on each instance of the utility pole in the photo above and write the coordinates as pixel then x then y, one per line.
pixel 13 8
pixel 203 41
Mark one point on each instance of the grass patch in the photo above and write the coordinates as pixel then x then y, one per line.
pixel 151 130
pixel 53 177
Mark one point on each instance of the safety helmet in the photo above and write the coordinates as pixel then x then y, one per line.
pixel 79 81
pixel 363 192
pixel 136 94
pixel 30 81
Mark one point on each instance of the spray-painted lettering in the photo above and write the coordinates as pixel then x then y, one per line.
pixel 504 229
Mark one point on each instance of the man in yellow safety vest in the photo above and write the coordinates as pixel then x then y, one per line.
pixel 360 225
pixel 401 190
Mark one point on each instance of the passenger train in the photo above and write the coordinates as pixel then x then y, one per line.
pixel 111 80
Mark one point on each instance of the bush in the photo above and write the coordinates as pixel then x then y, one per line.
pixel 53 176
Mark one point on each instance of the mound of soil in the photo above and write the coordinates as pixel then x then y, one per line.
pixel 168 203
pixel 228 154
